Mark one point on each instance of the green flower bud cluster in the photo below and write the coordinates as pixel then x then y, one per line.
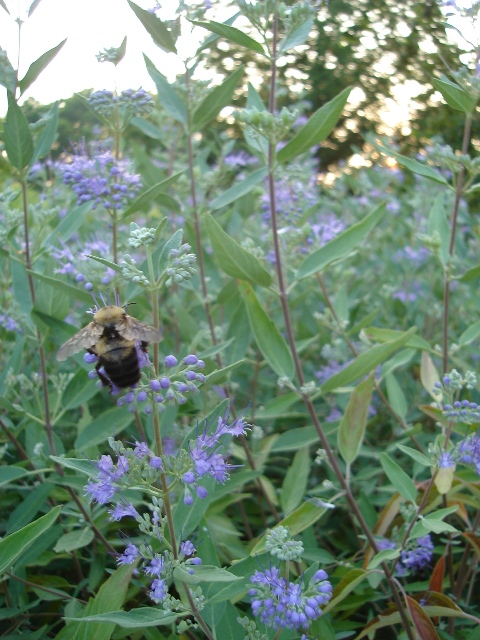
pixel 251 631
pixel 268 125
pixel 445 157
pixel 140 236
pixel 112 54
pixel 280 544
pixel 296 16
pixel 130 272
pixel 180 265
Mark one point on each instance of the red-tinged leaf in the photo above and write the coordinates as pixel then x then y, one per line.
pixel 436 581
pixel 474 541
pixel 422 623
pixel 435 599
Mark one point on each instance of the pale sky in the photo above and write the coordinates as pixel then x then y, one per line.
pixel 90 26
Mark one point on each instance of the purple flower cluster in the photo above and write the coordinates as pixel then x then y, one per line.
pixel 462 411
pixel 76 264
pixel 108 477
pixel 281 604
pixel 469 451
pixel 9 323
pixel 417 556
pixel 168 389
pixel 102 180
pixel 130 102
pixel 159 565
pixel 206 458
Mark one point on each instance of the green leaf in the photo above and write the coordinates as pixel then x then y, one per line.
pixel 47 137
pixel 110 597
pixel 366 362
pixel 471 274
pixel 36 68
pixel 167 96
pixel 233 34
pixel 416 455
pixel 81 465
pixel 16 136
pixel 470 334
pixel 294 439
pixel 383 556
pixel 341 246
pixel 14 545
pixel 429 375
pixel 105 262
pixel 11 473
pixel 8 74
pixel 298 36
pixel 414 166
pixel 215 101
pixel 74 540
pixel 29 506
pixel 161 36
pixel 267 336
pixel 346 585
pixel 397 476
pixel 234 259
pixel 277 407
pixel 295 484
pixel 354 420
pixel 396 396
pixel 219 375
pixel 439 226
pixel 387 335
pixel 150 194
pixel 78 294
pixel 203 573
pixel 238 190
pixel 135 619
pixel 67 225
pixel 100 429
pixel 318 127
pixel 455 96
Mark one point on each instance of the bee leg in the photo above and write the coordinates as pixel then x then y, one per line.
pixel 103 378
pixel 143 346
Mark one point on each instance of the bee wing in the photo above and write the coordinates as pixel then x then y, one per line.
pixel 133 329
pixel 84 339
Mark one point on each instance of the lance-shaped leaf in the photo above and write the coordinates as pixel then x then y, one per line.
pixel 7 74
pixel 295 483
pixel 47 137
pixel 365 362
pixel 455 96
pixel 341 246
pixel 240 189
pixel 155 27
pixel 422 623
pixel 233 34
pixel 298 36
pixel 267 336
pixel 134 619
pixel 12 546
pixel 215 101
pixel 354 420
pixel 414 166
pixel 36 68
pixel 318 127
pixel 150 194
pixel 397 476
pixel 234 259
pixel 167 96
pixel 16 136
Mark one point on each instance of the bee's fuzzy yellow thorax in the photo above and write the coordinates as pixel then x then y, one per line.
pixel 109 314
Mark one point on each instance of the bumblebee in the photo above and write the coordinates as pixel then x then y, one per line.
pixel 118 340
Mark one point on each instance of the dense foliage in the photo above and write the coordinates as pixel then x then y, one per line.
pixel 295 454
